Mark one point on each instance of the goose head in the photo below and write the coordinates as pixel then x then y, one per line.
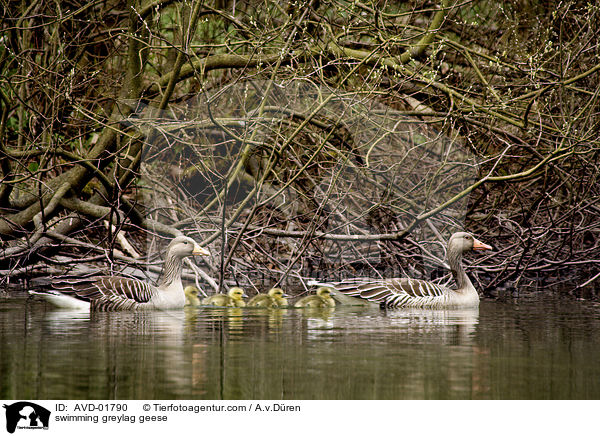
pixel 276 293
pixel 461 242
pixel 236 293
pixel 182 246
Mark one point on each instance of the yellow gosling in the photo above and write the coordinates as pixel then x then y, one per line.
pixel 273 298
pixel 191 296
pixel 321 299
pixel 234 298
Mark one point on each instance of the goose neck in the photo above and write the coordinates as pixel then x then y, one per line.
pixel 171 270
pixel 455 261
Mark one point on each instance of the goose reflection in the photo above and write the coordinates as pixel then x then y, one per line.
pixel 155 345
pixel 168 325
pixel 64 321
pixel 443 326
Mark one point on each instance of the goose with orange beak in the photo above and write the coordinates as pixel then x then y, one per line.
pixel 406 292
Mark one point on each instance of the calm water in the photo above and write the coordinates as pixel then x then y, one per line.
pixel 542 349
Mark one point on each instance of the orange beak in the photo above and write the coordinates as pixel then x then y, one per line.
pixel 478 245
pixel 199 251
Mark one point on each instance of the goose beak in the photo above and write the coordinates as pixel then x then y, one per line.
pixel 199 251
pixel 478 245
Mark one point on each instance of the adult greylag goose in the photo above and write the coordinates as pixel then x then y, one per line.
pixel 321 299
pixel 404 292
pixel 234 298
pixel 274 298
pixel 103 293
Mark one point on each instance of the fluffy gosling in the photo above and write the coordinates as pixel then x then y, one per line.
pixel 321 299
pixel 234 298
pixel 191 296
pixel 273 298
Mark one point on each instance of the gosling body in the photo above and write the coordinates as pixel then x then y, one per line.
pixel 321 299
pixel 234 298
pixel 274 298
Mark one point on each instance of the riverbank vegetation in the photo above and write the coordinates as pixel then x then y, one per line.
pixel 302 139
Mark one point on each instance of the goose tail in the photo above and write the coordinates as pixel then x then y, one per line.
pixel 62 301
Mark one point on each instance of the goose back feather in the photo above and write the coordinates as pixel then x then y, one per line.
pixel 108 293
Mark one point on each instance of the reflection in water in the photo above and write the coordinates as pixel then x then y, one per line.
pixel 318 321
pixel 543 349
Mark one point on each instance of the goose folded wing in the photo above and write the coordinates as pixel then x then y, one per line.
pixel 374 291
pixel 106 288
pixel 415 288
pixel 392 292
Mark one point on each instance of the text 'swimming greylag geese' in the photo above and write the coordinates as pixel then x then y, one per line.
pixel 106 293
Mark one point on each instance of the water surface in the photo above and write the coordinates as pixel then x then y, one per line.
pixel 544 348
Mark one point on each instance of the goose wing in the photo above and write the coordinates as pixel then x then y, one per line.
pixel 393 292
pixel 107 292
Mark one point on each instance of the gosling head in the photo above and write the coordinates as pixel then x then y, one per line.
pixel 276 293
pixel 192 291
pixel 324 292
pixel 236 293
pixel 191 296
